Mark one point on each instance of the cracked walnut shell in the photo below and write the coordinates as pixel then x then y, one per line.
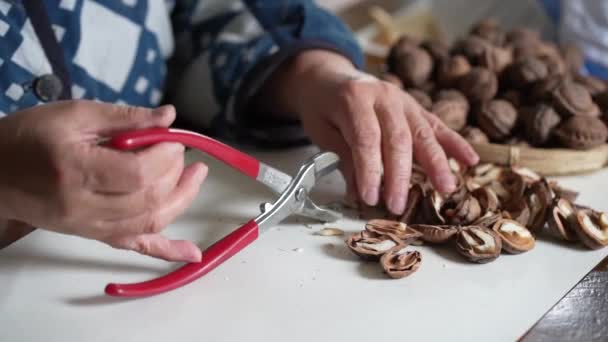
pixel 395 229
pixel 516 238
pixel 478 244
pixel 435 234
pixel 399 262
pixel 592 228
pixel 370 246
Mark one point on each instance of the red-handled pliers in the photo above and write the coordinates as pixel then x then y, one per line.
pixel 293 199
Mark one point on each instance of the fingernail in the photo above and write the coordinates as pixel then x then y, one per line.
pixel 448 184
pixel 370 195
pixel 195 256
pixel 396 204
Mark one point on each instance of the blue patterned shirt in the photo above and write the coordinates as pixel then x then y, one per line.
pixel 208 57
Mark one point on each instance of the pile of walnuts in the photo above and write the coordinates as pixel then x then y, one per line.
pixel 504 87
pixel 495 209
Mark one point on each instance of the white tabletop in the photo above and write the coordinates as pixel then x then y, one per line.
pixel 289 285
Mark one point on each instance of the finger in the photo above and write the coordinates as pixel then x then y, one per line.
pixel 109 171
pixel 107 119
pixel 158 246
pixel 361 131
pixel 112 206
pixel 177 202
pixel 396 151
pixel 452 142
pixel 429 153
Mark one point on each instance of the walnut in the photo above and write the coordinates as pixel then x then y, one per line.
pixel 490 30
pixel 516 238
pixel 517 210
pixel 479 85
pixel 488 220
pixel 393 229
pixel 421 97
pixel 542 90
pixel 413 66
pixel 538 197
pixel 399 262
pixel 513 96
pixel 562 192
pixel 462 212
pixel 431 208
pixel 522 36
pixel 497 119
pixel 451 70
pixel 474 135
pixel 562 220
pixel 539 122
pixel 369 245
pixel 414 199
pixel 478 244
pixel 453 113
pixel 473 48
pixel 570 98
pixel 438 49
pixel 496 58
pixel 582 132
pixel 592 228
pixel 487 198
pixel 525 72
pixel 435 234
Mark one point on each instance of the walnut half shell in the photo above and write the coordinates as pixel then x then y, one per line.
pixel 435 234
pixel 395 229
pixel 399 262
pixel 370 246
pixel 562 219
pixel 478 244
pixel 592 228
pixel 515 237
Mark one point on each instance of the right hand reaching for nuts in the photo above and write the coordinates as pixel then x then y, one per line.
pixel 57 177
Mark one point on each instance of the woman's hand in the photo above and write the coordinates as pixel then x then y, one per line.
pixel 56 176
pixel 376 128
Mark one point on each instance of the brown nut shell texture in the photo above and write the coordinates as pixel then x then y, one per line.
pixel 592 228
pixel 399 262
pixel 539 122
pixel 413 66
pixel 452 113
pixel 497 119
pixel 370 246
pixel 435 234
pixel 582 132
pixel 562 220
pixel 393 229
pixel 478 244
pixel 474 135
pixel 570 98
pixel 516 238
pixel 479 85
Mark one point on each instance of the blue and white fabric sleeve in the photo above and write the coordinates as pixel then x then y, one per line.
pixel 585 23
pixel 230 48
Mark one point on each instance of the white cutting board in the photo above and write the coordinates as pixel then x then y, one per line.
pixel 51 286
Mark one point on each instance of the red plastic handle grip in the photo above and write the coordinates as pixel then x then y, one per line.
pixel 145 137
pixel 212 257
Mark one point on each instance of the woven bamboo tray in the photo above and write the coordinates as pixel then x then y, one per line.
pixel 548 162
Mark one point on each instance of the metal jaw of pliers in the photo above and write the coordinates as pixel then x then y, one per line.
pixel 293 199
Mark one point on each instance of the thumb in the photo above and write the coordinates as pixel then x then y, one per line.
pixel 110 118
pixel 158 246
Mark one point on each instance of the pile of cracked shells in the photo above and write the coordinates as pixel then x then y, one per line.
pixel 507 87
pixel 495 209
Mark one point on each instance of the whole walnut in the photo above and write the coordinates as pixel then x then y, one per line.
pixel 582 132
pixel 451 94
pixel 490 30
pixel 570 98
pixel 401 46
pixel 497 119
pixel 555 64
pixel 453 113
pixel 479 85
pixel 573 57
pixel 527 71
pixel 438 49
pixel 413 66
pixel 539 122
pixel 421 97
pixel 473 48
pixel 474 135
pixel 451 70
pixel 496 58
pixel 594 85
pixel 390 78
